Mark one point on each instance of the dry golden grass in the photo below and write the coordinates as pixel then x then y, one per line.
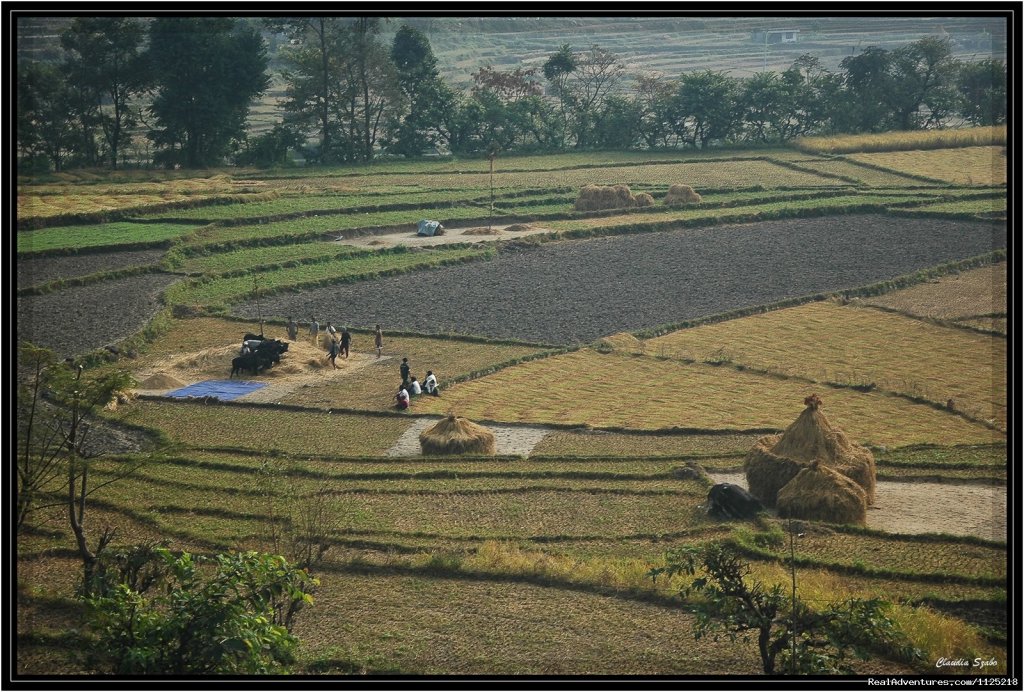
pixel 904 140
pixel 966 166
pixel 979 291
pixel 857 346
pixel 644 393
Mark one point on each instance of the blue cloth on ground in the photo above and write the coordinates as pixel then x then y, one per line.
pixel 225 390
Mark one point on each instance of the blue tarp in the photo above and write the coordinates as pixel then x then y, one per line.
pixel 225 390
pixel 429 228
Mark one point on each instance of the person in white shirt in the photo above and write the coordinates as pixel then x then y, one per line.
pixel 402 398
pixel 430 384
pixel 414 387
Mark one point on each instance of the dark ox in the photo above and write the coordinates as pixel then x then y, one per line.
pixel 253 362
pixel 728 501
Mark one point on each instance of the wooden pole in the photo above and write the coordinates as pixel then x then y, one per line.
pixel 256 290
pixel 490 216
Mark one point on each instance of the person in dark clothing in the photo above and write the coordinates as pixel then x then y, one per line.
pixel 293 329
pixel 346 340
pixel 405 371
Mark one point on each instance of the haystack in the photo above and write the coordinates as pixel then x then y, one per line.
pixel 643 199
pixel 776 459
pixel 456 435
pixel 822 494
pixel 595 197
pixel 161 381
pixel 682 194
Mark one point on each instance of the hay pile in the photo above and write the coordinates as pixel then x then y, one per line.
pixel 456 435
pixel 681 194
pixel 820 493
pixel 621 341
pixel 643 199
pixel 519 227
pixel 775 461
pixel 161 381
pixel 595 197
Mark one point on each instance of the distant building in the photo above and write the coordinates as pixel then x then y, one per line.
pixel 775 36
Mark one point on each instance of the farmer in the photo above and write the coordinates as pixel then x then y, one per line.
pixel 430 384
pixel 402 398
pixel 346 340
pixel 332 332
pixel 314 331
pixel 332 352
pixel 378 340
pixel 293 329
pixel 404 369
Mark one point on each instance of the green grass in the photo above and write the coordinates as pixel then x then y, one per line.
pixel 250 258
pixel 223 291
pixel 97 235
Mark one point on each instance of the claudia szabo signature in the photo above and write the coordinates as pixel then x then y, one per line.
pixel 965 663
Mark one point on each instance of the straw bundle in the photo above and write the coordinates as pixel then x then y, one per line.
pixel 682 194
pixel 776 459
pixel 643 199
pixel 820 493
pixel 595 197
pixel 457 435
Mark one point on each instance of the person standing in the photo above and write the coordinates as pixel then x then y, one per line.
pixel 404 369
pixel 293 329
pixel 346 340
pixel 332 332
pixel 314 331
pixel 332 353
pixel 378 340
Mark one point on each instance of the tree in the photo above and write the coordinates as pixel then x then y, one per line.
pixel 982 89
pixel 558 68
pixel 106 62
pixel 44 114
pixel 199 616
pixel 790 636
pixel 314 63
pixel 40 443
pixel 653 100
pixel 923 74
pixel 414 124
pixel 705 108
pixel 206 72
pixel 595 75
pixel 869 86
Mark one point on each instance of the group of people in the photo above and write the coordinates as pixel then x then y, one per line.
pixel 411 387
pixel 340 342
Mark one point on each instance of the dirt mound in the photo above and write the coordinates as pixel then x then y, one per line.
pixel 682 194
pixel 519 227
pixel 481 231
pixel 161 381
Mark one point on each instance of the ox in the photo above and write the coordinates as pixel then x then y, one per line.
pixel 728 501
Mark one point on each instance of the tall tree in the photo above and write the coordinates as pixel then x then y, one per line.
pixel 923 74
pixel 106 62
pixel 425 95
pixel 45 122
pixel 705 108
pixel 313 71
pixel 207 72
pixel 597 73
pixel 982 88
pixel 868 82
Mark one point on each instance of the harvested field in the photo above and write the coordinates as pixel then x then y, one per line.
pixel 79 319
pixel 575 292
pixel 976 292
pixel 32 272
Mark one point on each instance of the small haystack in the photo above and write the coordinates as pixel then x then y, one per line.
pixel 519 227
pixel 776 459
pixel 161 381
pixel 595 197
pixel 682 194
pixel 457 435
pixel 822 494
pixel 621 341
pixel 643 199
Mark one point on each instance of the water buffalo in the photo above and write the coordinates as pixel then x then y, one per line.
pixel 253 362
pixel 728 501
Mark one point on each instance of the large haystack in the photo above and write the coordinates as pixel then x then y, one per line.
pixel 810 437
pixel 682 194
pixel 822 494
pixel 457 435
pixel 595 197
pixel 767 472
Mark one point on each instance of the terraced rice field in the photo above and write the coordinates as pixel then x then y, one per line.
pixel 966 166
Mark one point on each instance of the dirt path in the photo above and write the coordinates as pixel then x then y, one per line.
pixel 466 234
pixel 509 439
pixel 959 509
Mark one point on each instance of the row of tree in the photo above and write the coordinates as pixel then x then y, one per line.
pixel 189 84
